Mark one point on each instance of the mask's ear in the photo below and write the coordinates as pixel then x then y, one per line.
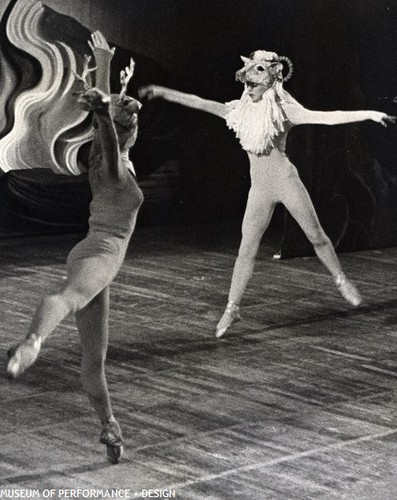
pixel 275 68
pixel 245 59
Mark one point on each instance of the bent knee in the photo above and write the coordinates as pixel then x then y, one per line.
pixel 55 302
pixel 75 301
pixel 250 244
pixel 320 239
pixel 138 198
pixel 248 252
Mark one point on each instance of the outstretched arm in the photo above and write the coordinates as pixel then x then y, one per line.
pixel 298 115
pixel 188 100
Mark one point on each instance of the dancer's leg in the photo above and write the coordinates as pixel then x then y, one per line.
pixel 297 201
pixel 92 324
pixel 258 214
pixel 300 206
pixel 86 278
pixel 256 220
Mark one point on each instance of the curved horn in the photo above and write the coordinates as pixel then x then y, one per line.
pixel 290 67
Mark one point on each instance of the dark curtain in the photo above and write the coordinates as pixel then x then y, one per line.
pixel 343 53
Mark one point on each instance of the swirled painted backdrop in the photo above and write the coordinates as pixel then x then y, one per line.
pixel 40 124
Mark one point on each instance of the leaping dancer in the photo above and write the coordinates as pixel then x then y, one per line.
pixel 261 120
pixel 94 262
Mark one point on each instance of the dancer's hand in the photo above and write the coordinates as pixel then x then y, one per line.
pixel 93 100
pixel 150 92
pixel 100 46
pixel 382 118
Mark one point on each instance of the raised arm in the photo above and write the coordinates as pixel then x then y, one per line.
pixel 107 136
pixel 103 55
pixel 298 115
pixel 188 100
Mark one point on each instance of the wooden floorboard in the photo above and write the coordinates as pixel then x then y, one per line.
pixel 298 401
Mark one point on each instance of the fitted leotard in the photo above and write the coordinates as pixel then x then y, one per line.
pixel 113 212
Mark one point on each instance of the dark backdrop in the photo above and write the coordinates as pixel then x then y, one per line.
pixel 344 55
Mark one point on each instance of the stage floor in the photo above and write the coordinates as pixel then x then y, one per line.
pixel 298 401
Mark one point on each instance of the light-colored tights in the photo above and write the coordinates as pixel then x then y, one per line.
pixel 86 294
pixel 269 187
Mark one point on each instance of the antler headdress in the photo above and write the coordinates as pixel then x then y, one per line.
pixel 85 73
pixel 125 77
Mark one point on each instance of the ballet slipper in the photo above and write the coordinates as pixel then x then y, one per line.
pixel 112 437
pixel 230 316
pixel 23 356
pixel 348 291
